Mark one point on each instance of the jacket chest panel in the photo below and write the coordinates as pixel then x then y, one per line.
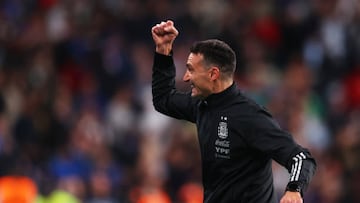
pixel 219 137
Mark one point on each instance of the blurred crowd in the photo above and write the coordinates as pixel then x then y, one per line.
pixel 76 117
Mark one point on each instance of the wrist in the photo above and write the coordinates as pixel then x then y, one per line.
pixel 294 187
pixel 164 49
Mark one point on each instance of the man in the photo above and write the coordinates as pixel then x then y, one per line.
pixel 238 138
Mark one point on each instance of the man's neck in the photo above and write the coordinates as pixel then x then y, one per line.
pixel 220 86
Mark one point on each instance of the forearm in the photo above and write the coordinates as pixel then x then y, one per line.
pixel 303 167
pixel 163 80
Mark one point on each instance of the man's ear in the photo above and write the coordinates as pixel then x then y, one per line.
pixel 214 73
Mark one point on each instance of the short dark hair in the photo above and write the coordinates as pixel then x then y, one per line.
pixel 216 52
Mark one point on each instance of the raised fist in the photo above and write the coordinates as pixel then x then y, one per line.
pixel 164 35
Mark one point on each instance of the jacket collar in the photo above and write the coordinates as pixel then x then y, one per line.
pixel 221 98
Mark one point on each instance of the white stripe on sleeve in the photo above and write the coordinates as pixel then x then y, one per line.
pixel 297 166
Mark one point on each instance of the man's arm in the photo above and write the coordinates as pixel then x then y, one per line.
pixel 267 136
pixel 166 98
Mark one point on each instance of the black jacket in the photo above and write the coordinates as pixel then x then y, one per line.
pixel 238 139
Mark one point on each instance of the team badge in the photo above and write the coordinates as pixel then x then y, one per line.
pixel 222 130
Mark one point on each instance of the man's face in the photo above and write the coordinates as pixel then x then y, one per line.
pixel 198 76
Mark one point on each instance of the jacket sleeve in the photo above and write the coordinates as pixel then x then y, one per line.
pixel 166 99
pixel 266 136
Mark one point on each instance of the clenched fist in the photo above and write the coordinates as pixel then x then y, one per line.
pixel 164 35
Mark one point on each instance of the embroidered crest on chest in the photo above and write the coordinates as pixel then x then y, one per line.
pixel 223 131
pixel 222 145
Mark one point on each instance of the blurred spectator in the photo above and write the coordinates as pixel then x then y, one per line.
pixel 59 196
pixel 16 189
pixel 191 193
pixel 352 89
pixel 101 188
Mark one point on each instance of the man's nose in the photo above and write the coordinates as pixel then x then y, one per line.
pixel 186 77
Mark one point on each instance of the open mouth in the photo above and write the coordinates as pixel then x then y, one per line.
pixel 192 87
